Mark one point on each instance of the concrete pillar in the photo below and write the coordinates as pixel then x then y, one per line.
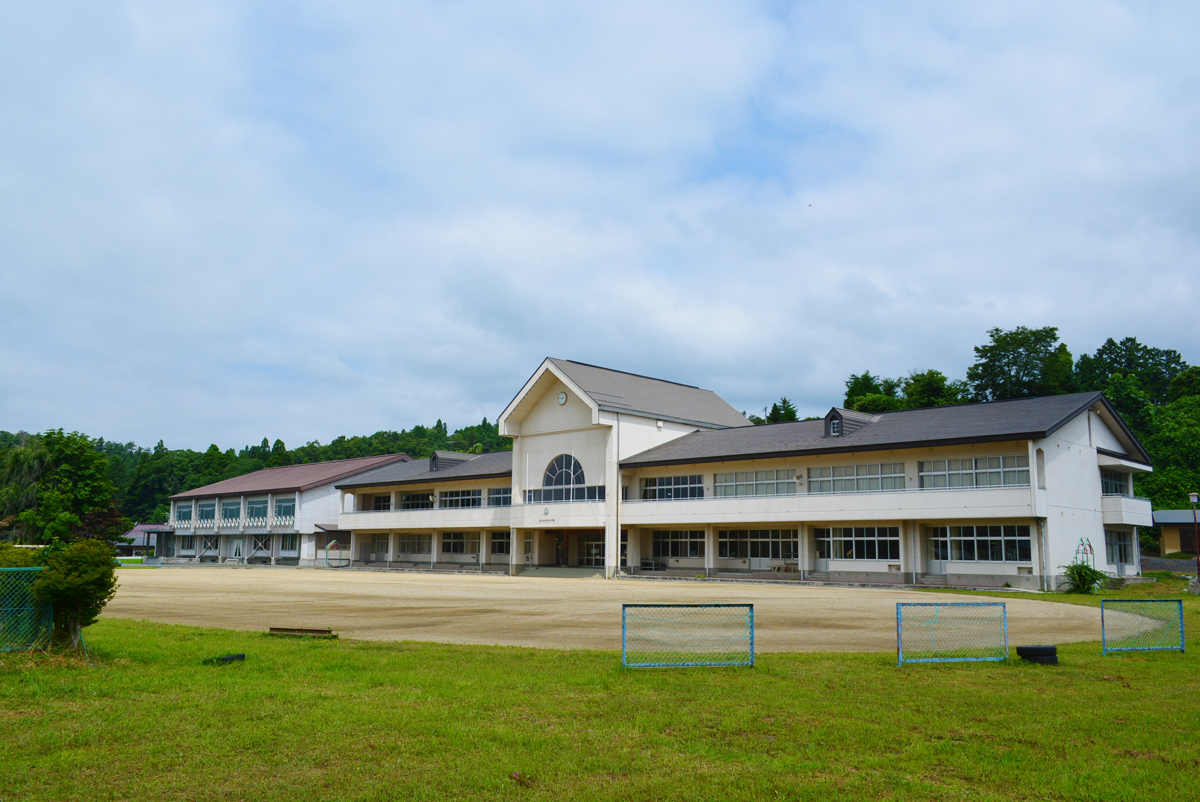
pixel 433 548
pixel 516 550
pixel 710 550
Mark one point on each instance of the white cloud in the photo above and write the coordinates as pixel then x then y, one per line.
pixel 222 221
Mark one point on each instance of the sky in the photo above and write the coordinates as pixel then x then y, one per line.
pixel 227 221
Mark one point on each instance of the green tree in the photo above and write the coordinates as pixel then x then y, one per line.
pixel 1015 364
pixel 279 455
pixel 782 411
pixel 877 402
pixel 1154 368
pixel 1185 383
pixel 859 385
pixel 64 492
pixel 931 388
pixel 78 580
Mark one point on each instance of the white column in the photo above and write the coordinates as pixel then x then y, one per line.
pixel 516 549
pixel 352 545
pixel 710 551
pixel 803 550
pixel 482 548
pixel 433 548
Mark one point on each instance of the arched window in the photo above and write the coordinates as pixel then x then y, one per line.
pixel 563 471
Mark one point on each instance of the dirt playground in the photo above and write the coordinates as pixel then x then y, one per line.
pixel 537 611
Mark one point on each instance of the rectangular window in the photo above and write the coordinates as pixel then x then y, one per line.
pixel 187 544
pixel 209 544
pixel 206 511
pixel 454 542
pixel 941 474
pixel 379 545
pixel 414 544
pixel 381 503
pixel 416 501
pixel 231 510
pixel 1114 483
pixel 256 511
pixel 858 543
pixel 755 483
pixel 979 543
pixel 289 543
pixel 285 507
pixel 575 493
pixel 873 478
pixel 499 496
pixel 678 543
pixel 457 499
pixel 262 543
pixel 774 544
pixel 183 512
pixel 665 487
pixel 501 542
pixel 1119 546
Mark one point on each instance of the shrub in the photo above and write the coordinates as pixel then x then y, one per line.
pixel 13 557
pixel 78 580
pixel 1083 578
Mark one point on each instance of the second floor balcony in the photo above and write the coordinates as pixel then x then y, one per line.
pixel 271 523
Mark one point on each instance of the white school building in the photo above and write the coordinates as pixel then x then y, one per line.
pixel 620 473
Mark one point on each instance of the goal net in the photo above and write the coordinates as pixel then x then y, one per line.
pixel 679 635
pixel 1141 625
pixel 951 632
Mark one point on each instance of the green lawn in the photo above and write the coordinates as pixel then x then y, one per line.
pixel 345 720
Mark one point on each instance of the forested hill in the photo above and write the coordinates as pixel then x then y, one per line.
pixel 143 478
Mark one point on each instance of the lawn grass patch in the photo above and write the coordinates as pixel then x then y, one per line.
pixel 358 720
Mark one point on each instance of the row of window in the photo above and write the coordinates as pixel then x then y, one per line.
pixel 447 500
pixel 576 493
pixel 1115 483
pixel 871 478
pixel 980 543
pixel 452 543
pixel 978 472
pixel 255 508
pixel 185 545
pixel 858 543
pixel 775 544
pixel 876 477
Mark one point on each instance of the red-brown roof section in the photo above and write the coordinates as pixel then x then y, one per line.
pixel 292 477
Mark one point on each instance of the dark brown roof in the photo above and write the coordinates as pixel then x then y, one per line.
pixel 617 391
pixel 1017 419
pixel 293 477
pixel 477 466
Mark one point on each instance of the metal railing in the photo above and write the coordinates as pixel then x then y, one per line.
pixel 25 623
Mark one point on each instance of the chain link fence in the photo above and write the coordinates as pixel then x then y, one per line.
pixel 25 623
pixel 682 635
pixel 951 632
pixel 1142 625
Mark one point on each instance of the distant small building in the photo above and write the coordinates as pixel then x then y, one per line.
pixel 144 539
pixel 1178 531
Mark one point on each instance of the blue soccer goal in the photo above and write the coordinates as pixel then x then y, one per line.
pixel 682 635
pixel 951 632
pixel 1141 625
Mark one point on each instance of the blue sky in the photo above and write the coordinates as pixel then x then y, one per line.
pixel 228 221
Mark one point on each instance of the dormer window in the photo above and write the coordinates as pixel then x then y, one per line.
pixel 835 427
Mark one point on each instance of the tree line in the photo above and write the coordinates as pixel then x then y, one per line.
pixel 57 486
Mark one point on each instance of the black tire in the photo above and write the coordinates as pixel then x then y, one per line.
pixel 1046 655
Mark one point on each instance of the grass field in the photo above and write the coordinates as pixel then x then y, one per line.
pixel 351 720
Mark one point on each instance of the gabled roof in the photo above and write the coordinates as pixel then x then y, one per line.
pixel 496 464
pixel 290 478
pixel 618 391
pixel 1017 419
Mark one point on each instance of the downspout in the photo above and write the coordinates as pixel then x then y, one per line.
pixel 1042 554
pixel 617 500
